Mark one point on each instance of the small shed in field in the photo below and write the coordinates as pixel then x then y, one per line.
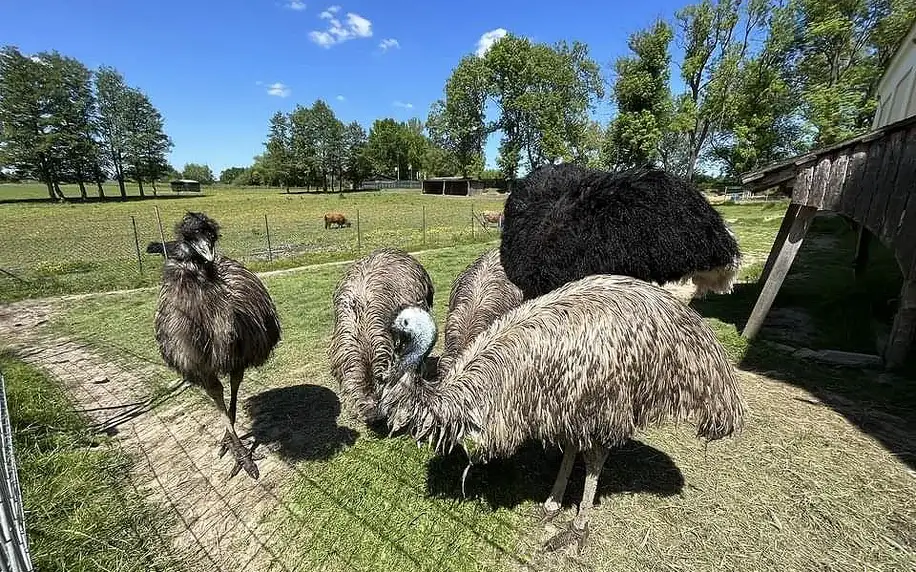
pixel 462 186
pixel 870 179
pixel 185 185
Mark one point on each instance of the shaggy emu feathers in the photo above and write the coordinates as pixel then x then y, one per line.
pixel 565 222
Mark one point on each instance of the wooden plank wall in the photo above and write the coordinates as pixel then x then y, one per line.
pixel 873 182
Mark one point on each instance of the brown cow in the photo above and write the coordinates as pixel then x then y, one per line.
pixel 492 217
pixel 335 218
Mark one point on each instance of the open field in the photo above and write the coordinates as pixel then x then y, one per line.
pixel 72 248
pixel 823 477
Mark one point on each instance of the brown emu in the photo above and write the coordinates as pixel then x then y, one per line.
pixel 583 367
pixel 480 294
pixel 361 346
pixel 214 318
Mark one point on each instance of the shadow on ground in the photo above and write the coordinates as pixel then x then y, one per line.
pixel 821 305
pixel 529 475
pixel 110 198
pixel 299 422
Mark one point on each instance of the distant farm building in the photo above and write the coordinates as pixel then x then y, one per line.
pixel 460 186
pixel 182 185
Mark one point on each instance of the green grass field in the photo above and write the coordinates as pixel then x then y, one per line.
pixel 81 515
pixel 68 248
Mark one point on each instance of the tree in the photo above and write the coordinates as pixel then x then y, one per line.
pixel 643 99
pixel 842 50
pixel 111 93
pixel 715 39
pixel 386 147
pixel 278 162
pixel 544 94
pixel 228 176
pixel 764 125
pixel 145 154
pixel 356 165
pixel 456 125
pixel 198 172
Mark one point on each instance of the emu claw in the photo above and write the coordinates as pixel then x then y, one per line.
pixel 244 458
pixel 566 537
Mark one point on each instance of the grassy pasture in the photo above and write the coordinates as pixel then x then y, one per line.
pixel 808 486
pixel 70 247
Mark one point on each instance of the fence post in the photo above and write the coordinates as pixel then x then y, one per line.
pixel 359 240
pixel 165 254
pixel 472 220
pixel 270 252
pixel 424 226
pixel 133 222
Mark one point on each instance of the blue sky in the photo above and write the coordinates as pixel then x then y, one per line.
pixel 219 70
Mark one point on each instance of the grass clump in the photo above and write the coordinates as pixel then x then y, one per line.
pixel 81 512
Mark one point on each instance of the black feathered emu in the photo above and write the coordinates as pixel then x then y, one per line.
pixel 584 367
pixel 564 222
pixel 365 298
pixel 214 318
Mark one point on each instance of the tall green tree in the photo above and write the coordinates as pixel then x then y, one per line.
pixel 148 145
pixel 716 37
pixel 198 172
pixel 228 176
pixel 643 99
pixel 843 48
pixel 113 119
pixel 386 148
pixel 356 164
pixel 278 160
pixel 457 124
pixel 544 94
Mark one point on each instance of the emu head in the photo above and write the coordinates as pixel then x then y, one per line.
pixel 197 234
pixel 414 333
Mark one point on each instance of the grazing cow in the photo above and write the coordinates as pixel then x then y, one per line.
pixel 492 217
pixel 335 218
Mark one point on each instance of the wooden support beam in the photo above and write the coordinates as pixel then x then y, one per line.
pixel 861 258
pixel 781 235
pixel 787 251
pixel 903 329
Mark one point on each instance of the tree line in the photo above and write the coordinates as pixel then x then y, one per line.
pixel 61 122
pixel 763 80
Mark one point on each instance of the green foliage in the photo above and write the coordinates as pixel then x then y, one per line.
pixel 643 97
pixel 457 123
pixel 82 515
pixel 200 173
pixel 228 176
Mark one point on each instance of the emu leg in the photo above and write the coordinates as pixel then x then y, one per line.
pixel 242 457
pixel 551 508
pixel 578 529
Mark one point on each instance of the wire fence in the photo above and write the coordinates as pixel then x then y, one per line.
pixel 85 252
pixel 14 555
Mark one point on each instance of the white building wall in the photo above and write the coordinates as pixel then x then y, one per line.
pixel 897 88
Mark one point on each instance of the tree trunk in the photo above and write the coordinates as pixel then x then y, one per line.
pixel 140 184
pixel 82 188
pixel 155 190
pixel 50 186
pixel 121 187
pixel 60 193
pixel 101 189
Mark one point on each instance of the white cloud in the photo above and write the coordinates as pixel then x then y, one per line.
pixel 296 5
pixel 487 40
pixel 340 98
pixel 355 27
pixel 402 104
pixel 388 44
pixel 279 90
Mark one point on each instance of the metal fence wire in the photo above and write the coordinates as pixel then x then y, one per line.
pixel 14 555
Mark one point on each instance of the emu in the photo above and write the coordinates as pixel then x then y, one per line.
pixel 214 318
pixel 361 346
pixel 564 222
pixel 583 367
pixel 480 294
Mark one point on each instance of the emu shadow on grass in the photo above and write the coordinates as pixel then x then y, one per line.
pixel 529 474
pixel 299 422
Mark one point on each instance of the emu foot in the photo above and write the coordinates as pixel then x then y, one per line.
pixel 567 536
pixel 227 443
pixel 244 458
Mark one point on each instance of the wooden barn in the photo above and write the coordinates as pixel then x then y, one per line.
pixel 870 179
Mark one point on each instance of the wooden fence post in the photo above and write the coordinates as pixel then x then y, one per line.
pixel 359 240
pixel 270 254
pixel 133 222
pixel 424 226
pixel 165 254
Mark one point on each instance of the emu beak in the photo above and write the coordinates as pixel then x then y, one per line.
pixel 203 248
